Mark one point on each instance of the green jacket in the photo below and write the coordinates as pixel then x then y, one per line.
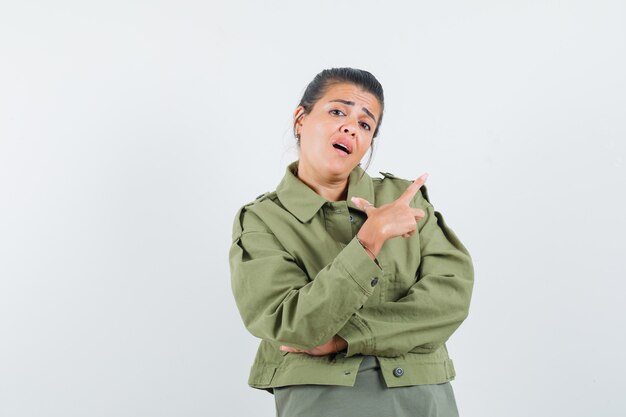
pixel 299 277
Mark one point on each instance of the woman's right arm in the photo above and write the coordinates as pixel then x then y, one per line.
pixel 279 302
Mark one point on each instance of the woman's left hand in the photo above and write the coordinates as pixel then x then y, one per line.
pixel 334 345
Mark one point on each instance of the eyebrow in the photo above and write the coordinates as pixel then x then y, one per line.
pixel 351 103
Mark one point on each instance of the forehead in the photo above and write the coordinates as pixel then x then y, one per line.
pixel 351 92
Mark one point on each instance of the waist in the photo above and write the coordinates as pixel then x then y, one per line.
pixel 271 370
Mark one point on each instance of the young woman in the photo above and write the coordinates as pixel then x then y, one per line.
pixel 352 283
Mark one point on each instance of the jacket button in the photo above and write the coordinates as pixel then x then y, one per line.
pixel 374 282
pixel 398 372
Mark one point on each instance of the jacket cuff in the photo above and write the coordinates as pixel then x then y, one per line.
pixel 361 268
pixel 358 337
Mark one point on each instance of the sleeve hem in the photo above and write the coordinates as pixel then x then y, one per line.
pixel 354 335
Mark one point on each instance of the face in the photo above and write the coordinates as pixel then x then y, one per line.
pixel 338 131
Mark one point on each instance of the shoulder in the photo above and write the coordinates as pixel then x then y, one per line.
pixel 246 218
pixel 394 185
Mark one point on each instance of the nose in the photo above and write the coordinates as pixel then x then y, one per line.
pixel 349 128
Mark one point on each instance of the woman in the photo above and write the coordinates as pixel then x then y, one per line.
pixel 353 283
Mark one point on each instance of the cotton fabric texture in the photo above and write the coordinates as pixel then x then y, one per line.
pixel 299 276
pixel 368 398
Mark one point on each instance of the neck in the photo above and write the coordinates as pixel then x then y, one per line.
pixel 331 189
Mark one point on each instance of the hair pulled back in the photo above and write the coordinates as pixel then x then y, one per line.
pixel 329 77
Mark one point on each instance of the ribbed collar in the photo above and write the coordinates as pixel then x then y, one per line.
pixel 303 202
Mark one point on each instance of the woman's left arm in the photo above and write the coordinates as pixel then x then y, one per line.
pixel 433 308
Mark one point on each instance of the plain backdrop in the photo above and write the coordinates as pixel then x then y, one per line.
pixel 132 131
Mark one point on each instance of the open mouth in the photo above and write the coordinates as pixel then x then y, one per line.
pixel 341 147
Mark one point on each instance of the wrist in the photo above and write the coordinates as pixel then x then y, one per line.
pixel 370 240
pixel 340 343
pixel 369 252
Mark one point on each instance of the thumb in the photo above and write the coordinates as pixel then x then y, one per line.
pixel 361 202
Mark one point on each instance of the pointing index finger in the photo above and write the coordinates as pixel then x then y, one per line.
pixel 411 190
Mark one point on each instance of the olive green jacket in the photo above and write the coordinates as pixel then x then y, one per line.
pixel 299 277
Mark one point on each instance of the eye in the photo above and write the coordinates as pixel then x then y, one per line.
pixel 335 111
pixel 366 126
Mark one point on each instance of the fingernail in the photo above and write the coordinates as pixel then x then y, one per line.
pixel 425 175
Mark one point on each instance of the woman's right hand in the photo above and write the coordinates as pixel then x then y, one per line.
pixel 390 220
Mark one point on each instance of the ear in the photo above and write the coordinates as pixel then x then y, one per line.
pixel 298 115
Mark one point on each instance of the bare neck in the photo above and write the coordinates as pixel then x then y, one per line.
pixel 331 189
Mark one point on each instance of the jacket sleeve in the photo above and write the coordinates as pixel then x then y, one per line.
pixel 276 298
pixel 433 308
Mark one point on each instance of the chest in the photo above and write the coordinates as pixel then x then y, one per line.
pixel 315 244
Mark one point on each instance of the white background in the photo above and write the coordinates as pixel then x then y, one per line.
pixel 130 133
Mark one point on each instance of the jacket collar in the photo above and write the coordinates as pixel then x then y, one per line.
pixel 304 203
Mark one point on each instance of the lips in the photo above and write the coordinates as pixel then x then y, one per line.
pixel 343 145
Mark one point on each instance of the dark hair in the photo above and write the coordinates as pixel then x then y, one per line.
pixel 322 81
